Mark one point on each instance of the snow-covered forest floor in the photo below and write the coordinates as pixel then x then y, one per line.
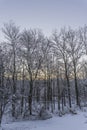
pixel 66 122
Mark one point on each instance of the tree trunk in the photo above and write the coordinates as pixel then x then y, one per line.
pixel 58 93
pixel 30 96
pixel 14 82
pixel 77 93
pixel 22 92
pixel 76 86
pixel 68 85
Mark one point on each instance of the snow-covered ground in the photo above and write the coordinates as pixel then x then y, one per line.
pixel 67 122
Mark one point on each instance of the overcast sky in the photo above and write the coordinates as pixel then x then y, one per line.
pixel 44 14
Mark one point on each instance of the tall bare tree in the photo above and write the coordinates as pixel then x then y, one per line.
pixel 60 48
pixel 31 48
pixel 11 33
pixel 75 51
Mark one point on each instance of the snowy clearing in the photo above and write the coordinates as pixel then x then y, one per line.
pixel 67 122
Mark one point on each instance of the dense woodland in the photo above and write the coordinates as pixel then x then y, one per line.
pixel 39 71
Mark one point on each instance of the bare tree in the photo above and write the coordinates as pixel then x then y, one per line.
pixel 60 48
pixel 11 33
pixel 4 92
pixel 31 46
pixel 75 50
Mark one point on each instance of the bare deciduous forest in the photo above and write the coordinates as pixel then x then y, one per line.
pixel 39 73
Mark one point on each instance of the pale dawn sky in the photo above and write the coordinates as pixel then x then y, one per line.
pixel 44 14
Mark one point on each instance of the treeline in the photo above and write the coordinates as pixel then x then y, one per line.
pixel 36 70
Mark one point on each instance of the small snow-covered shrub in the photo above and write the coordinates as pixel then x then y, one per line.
pixel 44 114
